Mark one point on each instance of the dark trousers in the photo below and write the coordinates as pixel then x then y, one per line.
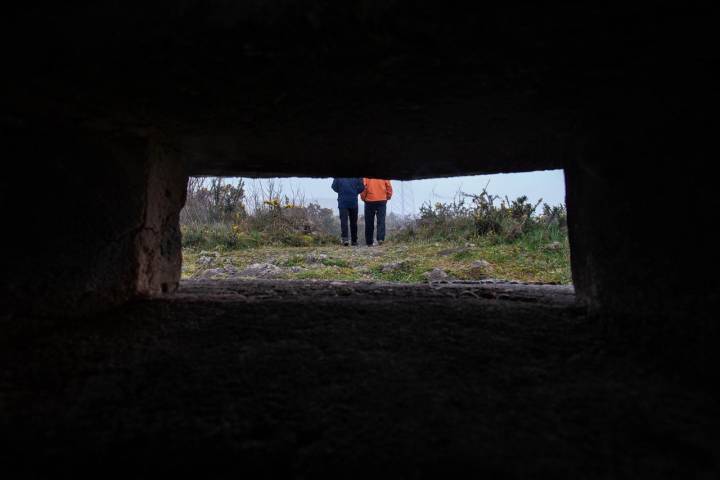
pixel 372 210
pixel 350 214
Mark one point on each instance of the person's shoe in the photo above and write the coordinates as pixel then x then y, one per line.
pixel 345 242
pixel 380 242
pixel 354 244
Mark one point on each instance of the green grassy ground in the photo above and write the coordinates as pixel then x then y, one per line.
pixel 525 260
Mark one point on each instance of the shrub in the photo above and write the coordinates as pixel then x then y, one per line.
pixel 211 201
pixel 219 214
pixel 483 216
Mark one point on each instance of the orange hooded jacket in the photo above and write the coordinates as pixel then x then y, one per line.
pixel 376 190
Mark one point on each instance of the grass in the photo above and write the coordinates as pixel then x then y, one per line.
pixel 205 237
pixel 528 260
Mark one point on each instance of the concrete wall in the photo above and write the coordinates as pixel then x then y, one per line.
pixel 92 220
pixel 641 214
pixel 398 89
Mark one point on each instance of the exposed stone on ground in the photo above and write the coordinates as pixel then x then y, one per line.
pixel 394 266
pixel 315 257
pixel 261 270
pixel 256 270
pixel 217 273
pixel 480 269
pixel 481 264
pixel 205 261
pixel 553 246
pixel 436 275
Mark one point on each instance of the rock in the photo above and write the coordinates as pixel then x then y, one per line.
pixel 256 270
pixel 436 275
pixel 393 267
pixel 480 264
pixel 315 258
pixel 553 246
pixel 479 269
pixel 207 258
pixel 205 261
pixel 260 270
pixel 218 273
pixel 209 273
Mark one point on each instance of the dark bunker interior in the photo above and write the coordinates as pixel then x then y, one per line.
pixel 110 365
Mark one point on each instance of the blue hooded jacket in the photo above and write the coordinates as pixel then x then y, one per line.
pixel 348 190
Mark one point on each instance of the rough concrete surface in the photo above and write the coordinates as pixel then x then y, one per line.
pixel 618 97
pixel 305 379
pixel 94 226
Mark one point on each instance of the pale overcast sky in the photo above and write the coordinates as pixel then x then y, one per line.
pixel 410 195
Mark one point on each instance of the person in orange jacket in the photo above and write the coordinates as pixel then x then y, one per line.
pixel 376 194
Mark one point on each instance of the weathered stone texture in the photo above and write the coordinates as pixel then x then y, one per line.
pixel 639 212
pixel 158 244
pixel 348 380
pixel 92 220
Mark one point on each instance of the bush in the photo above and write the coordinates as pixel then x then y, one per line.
pixel 211 201
pixel 483 216
pixel 206 237
pixel 218 214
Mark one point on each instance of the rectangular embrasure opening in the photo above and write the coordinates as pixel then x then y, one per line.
pixel 489 228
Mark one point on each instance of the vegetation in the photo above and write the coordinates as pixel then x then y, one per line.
pixel 219 214
pixel 475 236
pixel 483 217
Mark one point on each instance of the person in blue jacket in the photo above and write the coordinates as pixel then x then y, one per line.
pixel 348 190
